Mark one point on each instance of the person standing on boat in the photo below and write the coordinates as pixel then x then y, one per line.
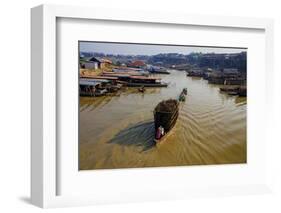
pixel 158 133
pixel 162 131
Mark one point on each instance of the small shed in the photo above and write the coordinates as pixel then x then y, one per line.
pixel 90 63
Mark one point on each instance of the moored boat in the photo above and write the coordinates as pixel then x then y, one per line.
pixel 142 89
pixel 232 93
pixel 195 72
pixel 229 88
pixel 161 72
pixel 135 84
pixel 92 88
pixel 138 81
pixel 242 91
pixel 165 117
pixel 234 90
pixel 157 70
pixel 182 95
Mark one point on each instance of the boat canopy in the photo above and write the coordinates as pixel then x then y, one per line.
pixel 122 73
pixel 92 82
pixel 89 83
pixel 145 78
pixel 115 75
pixel 100 77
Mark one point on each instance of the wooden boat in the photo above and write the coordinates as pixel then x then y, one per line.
pixel 96 93
pixel 160 71
pixel 235 90
pixel 232 93
pixel 93 88
pixel 165 116
pixel 100 92
pixel 229 89
pixel 182 95
pixel 134 84
pixel 157 70
pixel 142 89
pixel 194 74
pixel 242 91
pixel 98 77
pixel 139 81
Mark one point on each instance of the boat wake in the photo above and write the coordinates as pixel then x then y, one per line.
pixel 118 132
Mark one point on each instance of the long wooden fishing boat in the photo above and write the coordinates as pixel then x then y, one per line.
pixel 161 71
pixel 229 88
pixel 165 117
pixel 235 90
pixel 232 93
pixel 141 89
pixel 182 95
pixel 134 84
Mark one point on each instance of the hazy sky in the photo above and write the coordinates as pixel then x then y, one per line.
pixel 144 49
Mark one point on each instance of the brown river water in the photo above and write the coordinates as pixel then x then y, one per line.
pixel 118 131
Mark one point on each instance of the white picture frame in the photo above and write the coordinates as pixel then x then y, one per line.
pixel 44 155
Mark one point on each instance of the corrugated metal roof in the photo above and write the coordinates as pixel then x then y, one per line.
pixel 92 82
pixel 89 83
pixel 99 77
pixel 115 75
pixel 122 73
pixel 95 80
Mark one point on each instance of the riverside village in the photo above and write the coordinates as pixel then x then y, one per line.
pixel 161 105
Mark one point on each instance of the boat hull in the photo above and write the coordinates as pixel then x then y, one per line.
pixel 145 85
pixel 160 72
pixel 163 138
pixel 167 120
